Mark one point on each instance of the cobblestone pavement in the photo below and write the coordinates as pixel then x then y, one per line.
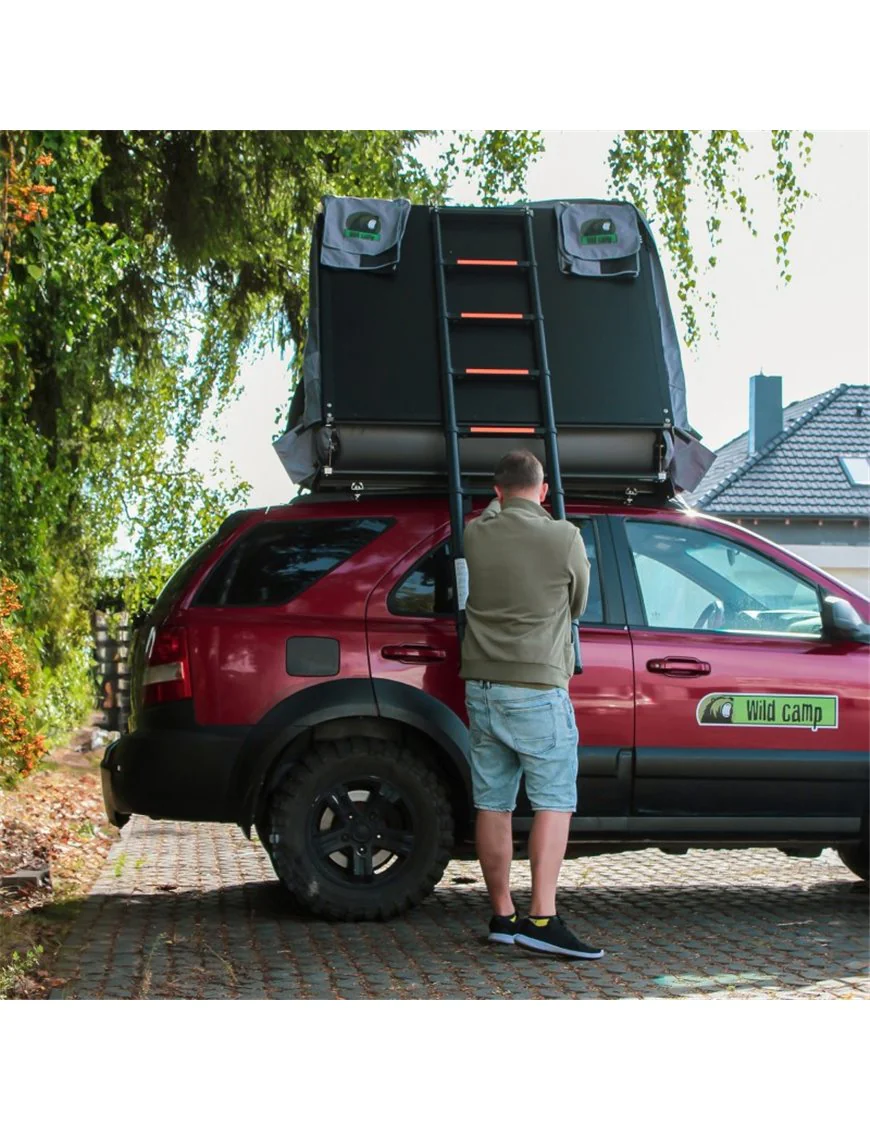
pixel 194 911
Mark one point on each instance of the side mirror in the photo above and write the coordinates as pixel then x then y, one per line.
pixel 841 621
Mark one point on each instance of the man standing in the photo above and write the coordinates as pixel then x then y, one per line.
pixel 528 575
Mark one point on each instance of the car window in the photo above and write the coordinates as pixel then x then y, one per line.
pixel 174 587
pixel 692 579
pixel 427 589
pixel 179 581
pixel 276 561
pixel 594 613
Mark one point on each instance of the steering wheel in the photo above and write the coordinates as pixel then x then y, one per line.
pixel 712 617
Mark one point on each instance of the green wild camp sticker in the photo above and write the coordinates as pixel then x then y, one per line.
pixel 363 226
pixel 724 708
pixel 599 230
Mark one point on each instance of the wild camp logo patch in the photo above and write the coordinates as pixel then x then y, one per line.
pixel 599 230
pixel 363 226
pixel 724 708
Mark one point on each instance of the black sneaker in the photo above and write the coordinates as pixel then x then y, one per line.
pixel 551 936
pixel 503 928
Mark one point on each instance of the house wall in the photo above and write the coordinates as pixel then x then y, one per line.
pixel 858 578
pixel 846 563
pixel 840 547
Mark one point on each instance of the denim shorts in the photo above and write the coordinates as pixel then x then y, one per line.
pixel 516 731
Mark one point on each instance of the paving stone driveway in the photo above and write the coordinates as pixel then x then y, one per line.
pixel 194 911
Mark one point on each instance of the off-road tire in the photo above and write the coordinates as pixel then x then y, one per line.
pixel 310 877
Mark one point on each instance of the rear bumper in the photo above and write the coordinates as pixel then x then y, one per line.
pixel 116 817
pixel 179 775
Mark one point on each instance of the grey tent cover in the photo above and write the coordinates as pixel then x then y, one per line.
pixel 598 239
pixel 362 234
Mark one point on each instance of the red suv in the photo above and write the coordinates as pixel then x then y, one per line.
pixel 299 675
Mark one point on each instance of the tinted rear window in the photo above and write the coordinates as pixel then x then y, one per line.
pixel 176 585
pixel 427 591
pixel 276 561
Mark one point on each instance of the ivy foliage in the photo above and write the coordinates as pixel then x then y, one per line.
pixel 20 748
pixel 664 171
pixel 137 268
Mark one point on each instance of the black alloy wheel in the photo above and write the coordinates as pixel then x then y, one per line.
pixel 359 829
pixel 364 828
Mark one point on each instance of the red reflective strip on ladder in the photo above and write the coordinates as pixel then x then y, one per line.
pixel 507 372
pixel 501 429
pixel 467 314
pixel 487 262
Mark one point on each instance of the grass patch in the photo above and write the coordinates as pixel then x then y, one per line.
pixel 16 969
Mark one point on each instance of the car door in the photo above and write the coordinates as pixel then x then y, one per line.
pixel 412 639
pixel 747 717
pixel 410 624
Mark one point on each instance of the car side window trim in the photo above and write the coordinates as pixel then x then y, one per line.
pixel 632 605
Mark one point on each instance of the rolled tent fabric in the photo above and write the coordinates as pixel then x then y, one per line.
pixel 598 239
pixel 690 462
pixel 296 451
pixel 363 234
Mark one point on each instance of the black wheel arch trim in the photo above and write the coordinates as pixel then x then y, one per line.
pixel 335 700
pixel 415 708
pixel 287 721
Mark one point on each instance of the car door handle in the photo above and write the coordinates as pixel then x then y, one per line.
pixel 413 653
pixel 680 666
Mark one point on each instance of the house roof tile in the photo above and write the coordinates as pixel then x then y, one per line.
pixel 799 471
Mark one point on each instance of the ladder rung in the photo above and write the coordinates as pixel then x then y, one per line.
pixel 493 316
pixel 502 430
pixel 494 372
pixel 485 263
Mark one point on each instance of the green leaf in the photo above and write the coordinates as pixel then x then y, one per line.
pixel 667 172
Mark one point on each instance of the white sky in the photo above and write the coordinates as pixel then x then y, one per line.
pixel 813 331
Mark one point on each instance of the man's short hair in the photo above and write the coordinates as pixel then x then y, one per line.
pixel 519 470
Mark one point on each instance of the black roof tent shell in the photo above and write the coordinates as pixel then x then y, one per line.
pixel 370 407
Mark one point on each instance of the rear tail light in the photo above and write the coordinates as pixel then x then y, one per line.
pixel 167 670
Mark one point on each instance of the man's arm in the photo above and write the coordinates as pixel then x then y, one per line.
pixel 578 570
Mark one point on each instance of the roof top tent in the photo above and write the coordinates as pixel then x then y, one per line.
pixel 406 299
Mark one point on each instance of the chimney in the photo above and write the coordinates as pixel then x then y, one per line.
pixel 765 411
